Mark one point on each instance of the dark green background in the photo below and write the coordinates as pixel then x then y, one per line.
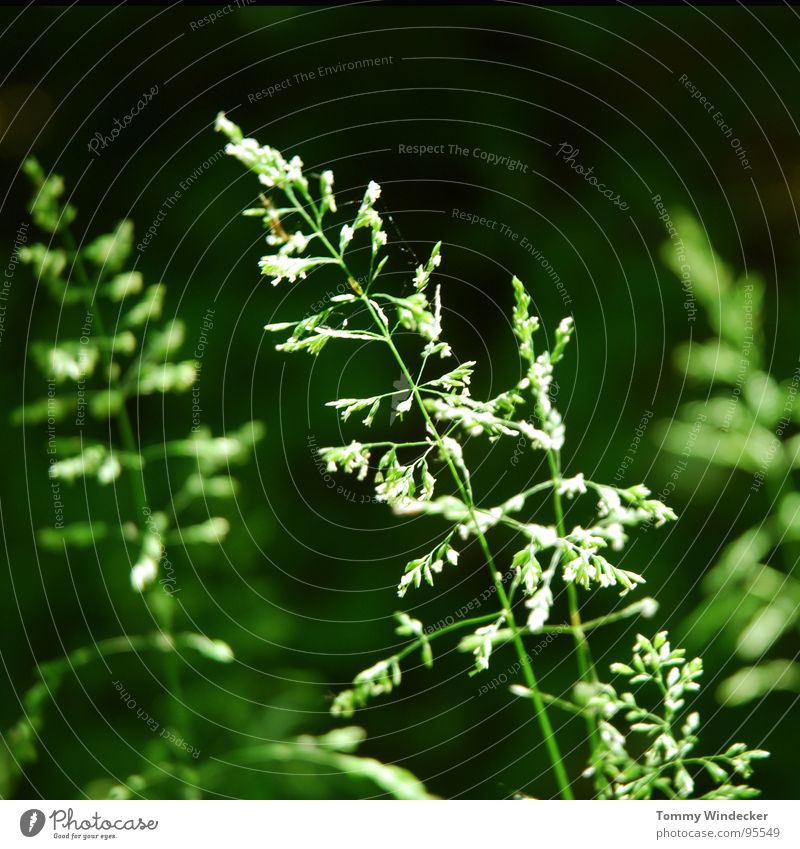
pixel 303 587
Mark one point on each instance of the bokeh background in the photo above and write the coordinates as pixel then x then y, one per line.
pixel 302 588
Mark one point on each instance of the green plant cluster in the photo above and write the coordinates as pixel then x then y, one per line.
pixel 743 421
pixel 125 351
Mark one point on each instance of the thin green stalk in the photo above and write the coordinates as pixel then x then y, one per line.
pixel 585 664
pixel 466 493
pixel 565 705
pixel 590 624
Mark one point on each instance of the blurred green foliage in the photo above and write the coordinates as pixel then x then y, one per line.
pixel 744 422
pixel 104 376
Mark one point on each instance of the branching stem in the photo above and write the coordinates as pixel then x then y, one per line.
pixel 465 490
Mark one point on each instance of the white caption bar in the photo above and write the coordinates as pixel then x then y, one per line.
pixel 399 825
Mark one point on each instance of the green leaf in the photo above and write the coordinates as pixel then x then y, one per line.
pixel 214 530
pixel 765 398
pixel 753 682
pixel 217 486
pixel 787 517
pixel 216 650
pixel 170 377
pixel 46 208
pixel 105 403
pixel 93 459
pixel 165 341
pixel 77 535
pixel 393 780
pixel 333 753
pixel 736 450
pixel 767 626
pixel 740 560
pixel 712 361
pixel 733 307
pixel 36 412
pixel 124 286
pixel 716 772
pixel 110 252
pixel 346 739
pixel 86 463
pixel 122 343
pixel 67 361
pixel 48 264
pixel 148 308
